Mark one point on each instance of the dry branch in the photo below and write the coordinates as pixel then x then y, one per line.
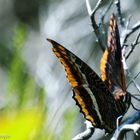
pixel 128 125
pixel 87 133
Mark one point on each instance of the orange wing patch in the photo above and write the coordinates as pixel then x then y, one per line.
pixel 103 65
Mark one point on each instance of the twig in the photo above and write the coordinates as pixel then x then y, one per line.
pixel 117 123
pixel 128 21
pixel 131 80
pixel 89 8
pixel 118 5
pixel 128 125
pixel 105 12
pixel 133 127
pixel 124 59
pixel 90 11
pixel 102 24
pixel 127 32
pixel 91 14
pixel 94 24
pixel 87 133
pixel 133 45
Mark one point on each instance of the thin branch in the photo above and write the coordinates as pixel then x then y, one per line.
pixel 97 5
pixel 131 80
pixel 96 28
pixel 118 5
pixel 118 120
pixel 128 125
pixel 135 27
pixel 133 45
pixel 87 133
pixel 128 21
pixel 124 59
pixel 127 32
pixel 133 127
pixel 89 9
pixel 105 12
pixel 134 96
pixel 90 12
pixel 133 106
pixel 102 24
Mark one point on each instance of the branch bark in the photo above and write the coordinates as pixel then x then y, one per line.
pixel 127 32
pixel 118 5
pixel 128 125
pixel 87 133
pixel 96 28
pixel 133 45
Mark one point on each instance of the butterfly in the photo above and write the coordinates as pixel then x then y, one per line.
pixel 101 99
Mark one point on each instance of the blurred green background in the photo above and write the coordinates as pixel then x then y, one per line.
pixel 35 97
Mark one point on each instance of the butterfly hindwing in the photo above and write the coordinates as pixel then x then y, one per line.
pixel 111 66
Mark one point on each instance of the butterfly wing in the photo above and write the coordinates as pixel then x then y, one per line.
pixel 111 65
pixel 90 93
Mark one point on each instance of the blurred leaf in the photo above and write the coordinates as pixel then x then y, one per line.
pixel 20 125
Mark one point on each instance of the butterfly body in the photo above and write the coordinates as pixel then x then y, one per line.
pixel 101 100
